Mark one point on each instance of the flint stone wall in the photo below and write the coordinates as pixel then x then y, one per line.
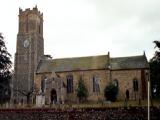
pixel 133 113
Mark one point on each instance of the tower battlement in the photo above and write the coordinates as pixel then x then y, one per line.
pixel 30 20
pixel 34 10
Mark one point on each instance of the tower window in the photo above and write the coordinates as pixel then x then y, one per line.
pixel 69 83
pixel 27 25
pixel 39 29
pixel 96 84
pixel 135 84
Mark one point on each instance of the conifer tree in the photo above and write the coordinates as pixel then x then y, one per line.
pixel 81 90
pixel 155 71
pixel 5 73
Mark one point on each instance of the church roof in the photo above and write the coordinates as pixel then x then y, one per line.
pixel 70 64
pixel 133 62
pixel 92 62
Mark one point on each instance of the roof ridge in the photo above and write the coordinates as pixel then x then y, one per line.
pixel 127 56
pixel 79 57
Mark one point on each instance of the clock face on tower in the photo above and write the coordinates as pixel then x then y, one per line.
pixel 26 43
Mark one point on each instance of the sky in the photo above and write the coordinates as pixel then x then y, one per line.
pixel 74 28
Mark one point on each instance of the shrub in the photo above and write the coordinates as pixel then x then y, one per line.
pixel 81 91
pixel 111 92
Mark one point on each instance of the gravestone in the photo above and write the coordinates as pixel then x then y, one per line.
pixel 40 100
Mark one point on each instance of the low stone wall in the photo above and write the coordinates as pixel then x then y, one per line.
pixel 133 113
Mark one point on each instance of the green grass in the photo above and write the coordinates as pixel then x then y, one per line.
pixel 101 104
pixel 113 104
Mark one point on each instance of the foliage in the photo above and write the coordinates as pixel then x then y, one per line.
pixel 155 71
pixel 81 90
pixel 48 56
pixel 6 76
pixel 28 94
pixel 5 73
pixel 156 56
pixel 111 92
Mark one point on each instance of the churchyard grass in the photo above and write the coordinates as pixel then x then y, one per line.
pixel 106 104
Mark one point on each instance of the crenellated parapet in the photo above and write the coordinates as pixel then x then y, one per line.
pixel 27 11
pixel 30 21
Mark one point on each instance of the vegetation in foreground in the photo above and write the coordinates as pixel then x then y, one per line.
pixel 155 72
pixel 5 72
pixel 111 92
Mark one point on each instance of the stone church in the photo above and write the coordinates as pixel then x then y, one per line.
pixel 56 80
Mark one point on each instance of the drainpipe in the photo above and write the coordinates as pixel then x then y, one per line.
pixel 148 99
pixel 110 74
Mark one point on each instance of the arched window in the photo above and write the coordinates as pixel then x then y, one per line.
pixel 39 30
pixel 69 83
pixel 116 82
pixel 135 84
pixel 127 94
pixel 96 83
pixel 27 25
pixel 43 84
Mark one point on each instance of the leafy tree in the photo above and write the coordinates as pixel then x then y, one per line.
pixel 155 71
pixel 48 56
pixel 81 90
pixel 111 92
pixel 157 52
pixel 5 73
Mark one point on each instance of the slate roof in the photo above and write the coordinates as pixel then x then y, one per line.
pixel 133 62
pixel 70 64
pixel 92 62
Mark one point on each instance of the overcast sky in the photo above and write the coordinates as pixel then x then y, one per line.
pixel 88 27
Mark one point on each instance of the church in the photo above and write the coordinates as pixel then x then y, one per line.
pixel 56 80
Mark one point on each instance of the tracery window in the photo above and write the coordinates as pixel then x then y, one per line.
pixel 43 84
pixel 69 83
pixel 96 83
pixel 135 84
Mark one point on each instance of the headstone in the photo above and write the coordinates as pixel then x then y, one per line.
pixel 40 100
pixel 7 105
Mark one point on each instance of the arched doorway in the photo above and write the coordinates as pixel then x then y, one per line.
pixel 127 94
pixel 53 96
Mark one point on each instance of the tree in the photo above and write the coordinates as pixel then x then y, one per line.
pixel 155 71
pixel 81 90
pixel 27 93
pixel 48 56
pixel 111 92
pixel 5 72
pixel 156 56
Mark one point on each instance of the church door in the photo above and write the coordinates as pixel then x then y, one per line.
pixel 127 94
pixel 53 96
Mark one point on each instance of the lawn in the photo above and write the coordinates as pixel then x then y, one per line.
pixel 134 103
pixel 131 103
pixel 143 103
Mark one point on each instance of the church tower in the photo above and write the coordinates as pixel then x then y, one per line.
pixel 29 50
